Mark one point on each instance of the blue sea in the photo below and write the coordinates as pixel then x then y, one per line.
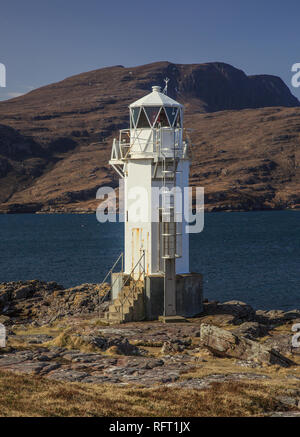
pixel 249 256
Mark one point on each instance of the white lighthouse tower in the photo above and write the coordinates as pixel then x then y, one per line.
pixel 152 158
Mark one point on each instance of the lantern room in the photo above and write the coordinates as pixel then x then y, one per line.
pixel 154 120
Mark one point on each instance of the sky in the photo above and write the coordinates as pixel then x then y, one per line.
pixel 45 41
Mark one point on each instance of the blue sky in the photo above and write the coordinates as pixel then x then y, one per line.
pixel 45 41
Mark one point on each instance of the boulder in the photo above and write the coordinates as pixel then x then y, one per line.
pixel 239 311
pixel 251 330
pixel 227 344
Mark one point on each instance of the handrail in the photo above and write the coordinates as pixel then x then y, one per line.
pixel 130 274
pixel 131 277
pixel 132 291
pixel 102 298
pixel 111 269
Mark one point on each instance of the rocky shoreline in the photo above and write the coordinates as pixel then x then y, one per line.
pixel 60 334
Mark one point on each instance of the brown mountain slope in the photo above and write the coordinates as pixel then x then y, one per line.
pixel 248 159
pixel 55 141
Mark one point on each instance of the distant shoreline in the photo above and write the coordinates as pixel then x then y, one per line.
pixel 89 212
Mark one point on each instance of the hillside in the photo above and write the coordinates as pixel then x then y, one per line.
pixel 55 141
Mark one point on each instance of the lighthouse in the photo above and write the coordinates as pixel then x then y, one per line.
pixel 152 159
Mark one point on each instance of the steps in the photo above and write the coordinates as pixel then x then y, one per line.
pixel 129 305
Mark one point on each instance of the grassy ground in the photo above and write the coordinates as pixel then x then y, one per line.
pixel 22 395
pixel 27 395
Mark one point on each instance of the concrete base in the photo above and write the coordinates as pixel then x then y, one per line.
pixel 189 295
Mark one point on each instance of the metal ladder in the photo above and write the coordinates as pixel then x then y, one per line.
pixel 168 209
pixel 169 228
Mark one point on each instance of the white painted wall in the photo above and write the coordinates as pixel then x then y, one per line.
pixel 145 235
pixel 137 234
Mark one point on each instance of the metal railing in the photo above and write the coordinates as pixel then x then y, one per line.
pixel 133 284
pixel 126 143
pixel 109 273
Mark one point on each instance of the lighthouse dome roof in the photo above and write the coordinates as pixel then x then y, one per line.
pixel 156 98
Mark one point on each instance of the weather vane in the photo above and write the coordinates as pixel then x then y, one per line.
pixel 166 80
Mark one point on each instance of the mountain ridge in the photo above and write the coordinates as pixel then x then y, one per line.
pixel 69 126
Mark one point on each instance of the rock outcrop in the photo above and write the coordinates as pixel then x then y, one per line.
pixel 228 344
pixel 274 318
pixel 251 330
pixel 237 311
pixel 41 302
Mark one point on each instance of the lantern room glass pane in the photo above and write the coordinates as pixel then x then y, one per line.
pixel 135 115
pixel 178 120
pixel 162 119
pixel 143 120
pixel 171 113
pixel 152 112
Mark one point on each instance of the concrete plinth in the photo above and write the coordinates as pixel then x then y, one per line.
pixel 189 295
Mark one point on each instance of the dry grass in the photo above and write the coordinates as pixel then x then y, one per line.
pixel 19 341
pixel 22 395
pixel 71 339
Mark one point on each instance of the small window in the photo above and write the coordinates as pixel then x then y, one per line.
pixel 135 115
pixel 162 119
pixel 143 120
pixel 171 113
pixel 152 112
